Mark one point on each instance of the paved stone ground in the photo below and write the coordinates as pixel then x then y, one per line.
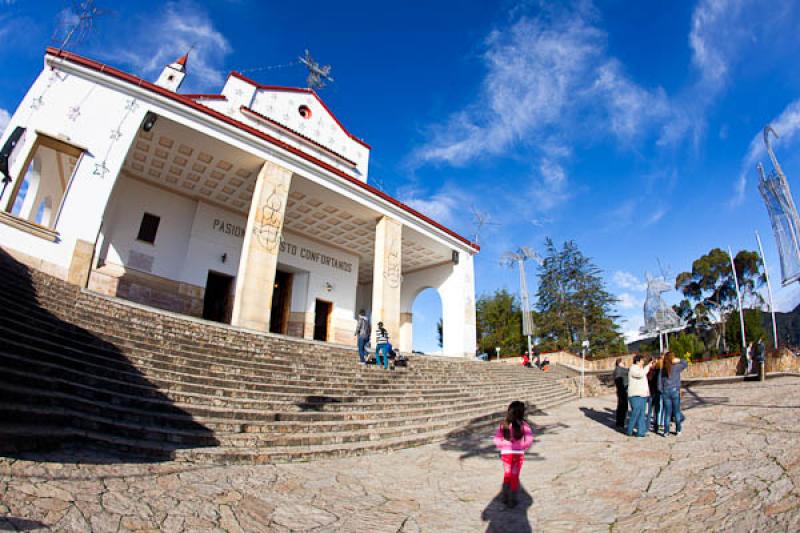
pixel 735 467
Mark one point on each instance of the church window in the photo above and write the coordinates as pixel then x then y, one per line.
pixel 148 228
pixel 304 111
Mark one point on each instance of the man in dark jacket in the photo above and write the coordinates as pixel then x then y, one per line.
pixel 621 381
pixel 362 333
pixel 761 354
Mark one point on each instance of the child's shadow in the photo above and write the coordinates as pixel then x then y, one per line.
pixel 508 520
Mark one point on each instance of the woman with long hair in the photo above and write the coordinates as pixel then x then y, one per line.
pixel 670 386
pixel 513 438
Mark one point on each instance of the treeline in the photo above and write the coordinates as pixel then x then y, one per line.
pixel 710 307
pixel 571 305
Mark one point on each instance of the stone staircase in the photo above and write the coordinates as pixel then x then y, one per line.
pixel 79 367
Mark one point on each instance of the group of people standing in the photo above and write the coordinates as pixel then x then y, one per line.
pixel 651 388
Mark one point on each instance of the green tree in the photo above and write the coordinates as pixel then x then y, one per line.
pixel 710 292
pixel 499 323
pixel 686 343
pixel 572 303
pixel 753 329
pixel 440 332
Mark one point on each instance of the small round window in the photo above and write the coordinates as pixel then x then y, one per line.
pixel 304 111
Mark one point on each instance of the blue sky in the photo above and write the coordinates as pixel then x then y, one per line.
pixel 630 127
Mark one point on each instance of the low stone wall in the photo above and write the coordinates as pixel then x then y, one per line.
pixel 592 385
pixel 606 363
pixel 730 366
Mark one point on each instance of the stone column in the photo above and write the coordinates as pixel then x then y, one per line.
pixel 387 278
pixel 81 264
pixel 406 339
pixel 253 301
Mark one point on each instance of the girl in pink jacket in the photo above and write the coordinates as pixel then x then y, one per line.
pixel 512 438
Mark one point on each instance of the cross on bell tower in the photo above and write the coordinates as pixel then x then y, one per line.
pixel 172 75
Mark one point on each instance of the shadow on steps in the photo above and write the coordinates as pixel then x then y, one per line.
pixel 51 399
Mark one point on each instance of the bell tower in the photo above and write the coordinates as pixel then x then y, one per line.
pixel 172 75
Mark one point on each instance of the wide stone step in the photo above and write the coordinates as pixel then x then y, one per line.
pixel 80 366
pixel 390 380
pixel 33 375
pixel 140 440
pixel 176 413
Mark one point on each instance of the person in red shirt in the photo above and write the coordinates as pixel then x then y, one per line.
pixel 513 438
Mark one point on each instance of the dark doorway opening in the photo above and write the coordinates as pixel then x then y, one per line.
pixel 217 300
pixel 281 298
pixel 322 320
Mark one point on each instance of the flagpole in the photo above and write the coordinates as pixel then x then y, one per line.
pixel 769 292
pixel 739 298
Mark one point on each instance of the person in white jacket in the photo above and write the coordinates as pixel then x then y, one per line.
pixel 638 393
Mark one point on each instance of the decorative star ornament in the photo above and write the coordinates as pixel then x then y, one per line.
pixel 115 134
pixel 100 169
pixel 74 113
pixel 37 102
pixel 131 105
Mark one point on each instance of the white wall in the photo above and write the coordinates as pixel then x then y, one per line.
pixel 192 236
pixel 282 107
pixel 295 253
pixel 456 287
pixel 169 252
pixel 82 113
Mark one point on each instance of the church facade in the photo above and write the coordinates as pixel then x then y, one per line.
pixel 250 207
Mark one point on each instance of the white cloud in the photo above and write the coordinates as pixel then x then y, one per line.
pixel 655 216
pixel 628 301
pixel 550 189
pixel 545 75
pixel 179 27
pixel 787 125
pixel 628 281
pixel 5 116
pixel 630 326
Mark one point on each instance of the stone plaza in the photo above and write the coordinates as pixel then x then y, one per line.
pixel 735 467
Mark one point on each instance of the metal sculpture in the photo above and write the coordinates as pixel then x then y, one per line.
pixel 658 314
pixel 774 189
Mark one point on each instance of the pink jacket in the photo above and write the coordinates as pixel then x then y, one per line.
pixel 514 446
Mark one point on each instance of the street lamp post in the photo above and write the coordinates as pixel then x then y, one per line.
pixel 518 258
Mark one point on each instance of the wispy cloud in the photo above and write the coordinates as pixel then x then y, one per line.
pixel 179 27
pixel 628 301
pixel 628 281
pixel 544 75
pixel 5 116
pixel 787 125
pixel 655 216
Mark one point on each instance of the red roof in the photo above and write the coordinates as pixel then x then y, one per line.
pixel 301 90
pixel 182 60
pixel 205 96
pixel 189 102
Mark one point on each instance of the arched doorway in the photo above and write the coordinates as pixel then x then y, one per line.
pixel 424 323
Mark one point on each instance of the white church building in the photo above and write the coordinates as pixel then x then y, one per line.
pixel 250 207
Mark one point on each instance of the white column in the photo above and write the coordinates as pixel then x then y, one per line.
pixel 458 309
pixel 259 259
pixel 387 277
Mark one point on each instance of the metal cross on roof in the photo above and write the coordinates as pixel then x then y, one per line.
pixel 317 75
pixel 78 23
